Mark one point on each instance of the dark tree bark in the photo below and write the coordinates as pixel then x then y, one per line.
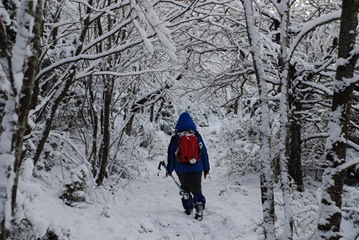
pixel 105 145
pixel 94 124
pixel 26 96
pixel 20 102
pixel 266 178
pixel 293 145
pixel 294 128
pixel 128 128
pixel 330 219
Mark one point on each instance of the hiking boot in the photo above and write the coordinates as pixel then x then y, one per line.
pixel 188 211
pixel 199 212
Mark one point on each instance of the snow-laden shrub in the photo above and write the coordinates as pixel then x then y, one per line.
pixel 239 138
pixel 52 153
pixel 75 192
pixel 127 160
pixel 350 207
pixel 304 209
pixel 25 230
pixel 29 222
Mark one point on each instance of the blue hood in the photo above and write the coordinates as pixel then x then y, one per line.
pixel 185 123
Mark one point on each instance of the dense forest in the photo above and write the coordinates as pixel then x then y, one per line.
pixel 86 84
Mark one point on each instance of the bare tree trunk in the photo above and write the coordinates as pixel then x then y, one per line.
pixel 105 145
pixel 106 124
pixel 236 106
pixel 284 129
pixel 295 138
pixel 333 178
pixel 128 128
pixel 18 104
pixel 266 179
pixel 94 121
pixel 26 96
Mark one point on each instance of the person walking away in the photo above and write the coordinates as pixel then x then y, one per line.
pixel 187 156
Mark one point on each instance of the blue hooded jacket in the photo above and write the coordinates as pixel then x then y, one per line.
pixel 185 123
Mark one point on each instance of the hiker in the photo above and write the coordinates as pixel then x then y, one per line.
pixel 188 162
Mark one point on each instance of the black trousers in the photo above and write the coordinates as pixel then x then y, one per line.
pixel 191 182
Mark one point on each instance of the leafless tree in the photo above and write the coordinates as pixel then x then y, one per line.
pixel 344 83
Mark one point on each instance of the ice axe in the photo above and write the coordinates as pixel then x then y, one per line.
pixel 163 164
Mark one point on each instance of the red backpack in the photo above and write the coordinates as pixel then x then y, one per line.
pixel 188 148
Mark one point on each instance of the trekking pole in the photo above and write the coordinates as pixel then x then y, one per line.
pixel 163 164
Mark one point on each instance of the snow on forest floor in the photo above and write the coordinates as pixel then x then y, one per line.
pixel 159 214
pixel 150 208
pixel 153 210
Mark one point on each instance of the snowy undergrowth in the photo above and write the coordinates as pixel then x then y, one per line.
pixel 147 206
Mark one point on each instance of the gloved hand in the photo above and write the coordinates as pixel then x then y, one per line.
pixel 168 174
pixel 205 174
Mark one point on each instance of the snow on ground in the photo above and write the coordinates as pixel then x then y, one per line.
pixel 150 208
pixel 153 210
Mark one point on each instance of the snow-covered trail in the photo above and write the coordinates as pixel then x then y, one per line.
pixel 150 208
pixel 153 210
